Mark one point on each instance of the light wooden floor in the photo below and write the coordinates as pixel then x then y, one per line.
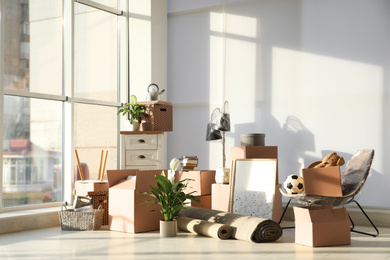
pixel 52 243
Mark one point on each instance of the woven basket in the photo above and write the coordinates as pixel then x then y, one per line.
pixel 80 220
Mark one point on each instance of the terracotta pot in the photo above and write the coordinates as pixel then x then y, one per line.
pixel 168 228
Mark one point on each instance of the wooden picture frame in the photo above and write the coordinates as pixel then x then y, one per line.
pixel 252 189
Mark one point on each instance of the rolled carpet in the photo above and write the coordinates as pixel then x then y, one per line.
pixel 243 227
pixel 203 227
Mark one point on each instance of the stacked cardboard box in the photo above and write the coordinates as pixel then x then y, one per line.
pixel 201 184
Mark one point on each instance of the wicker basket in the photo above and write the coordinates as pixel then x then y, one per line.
pixel 80 220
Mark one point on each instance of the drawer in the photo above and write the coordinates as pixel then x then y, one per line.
pixel 140 142
pixel 142 167
pixel 141 157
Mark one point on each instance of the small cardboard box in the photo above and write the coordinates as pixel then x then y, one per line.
pixel 322 181
pixel 201 183
pixel 205 202
pixel 322 226
pixel 255 152
pixel 159 116
pixel 127 212
pixel 83 187
pixel 220 196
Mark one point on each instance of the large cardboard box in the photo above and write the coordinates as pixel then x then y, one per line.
pixel 322 226
pixel 83 187
pixel 201 183
pixel 159 116
pixel 322 181
pixel 127 213
pixel 205 202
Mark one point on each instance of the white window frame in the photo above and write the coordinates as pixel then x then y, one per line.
pixel 68 92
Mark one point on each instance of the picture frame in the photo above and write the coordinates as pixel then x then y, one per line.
pixel 253 183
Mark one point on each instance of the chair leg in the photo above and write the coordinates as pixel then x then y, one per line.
pixel 361 232
pixel 284 211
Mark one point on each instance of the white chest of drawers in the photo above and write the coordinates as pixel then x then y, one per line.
pixel 142 150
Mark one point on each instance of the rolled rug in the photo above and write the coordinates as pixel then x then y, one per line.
pixel 243 227
pixel 203 227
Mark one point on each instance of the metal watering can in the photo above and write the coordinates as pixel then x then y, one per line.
pixel 153 92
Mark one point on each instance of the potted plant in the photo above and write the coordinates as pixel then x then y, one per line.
pixel 134 110
pixel 171 199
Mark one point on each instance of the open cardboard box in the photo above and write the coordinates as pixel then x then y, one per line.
pixel 201 183
pixel 322 181
pixel 83 187
pixel 322 226
pixel 127 213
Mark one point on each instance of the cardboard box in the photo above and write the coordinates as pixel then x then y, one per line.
pixel 127 212
pixel 159 116
pixel 220 196
pixel 322 181
pixel 322 226
pixel 201 183
pixel 205 202
pixel 255 152
pixel 277 209
pixel 83 187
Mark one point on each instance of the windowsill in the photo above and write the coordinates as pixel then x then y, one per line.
pixel 22 220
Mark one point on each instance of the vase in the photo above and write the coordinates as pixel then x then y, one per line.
pixel 222 175
pixel 168 228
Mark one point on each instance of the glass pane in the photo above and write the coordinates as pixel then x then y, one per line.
pixel 33 46
pixel 96 130
pixel 96 61
pixel 32 151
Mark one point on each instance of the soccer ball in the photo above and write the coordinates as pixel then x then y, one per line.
pixel 293 184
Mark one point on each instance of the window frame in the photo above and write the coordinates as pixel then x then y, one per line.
pixel 68 91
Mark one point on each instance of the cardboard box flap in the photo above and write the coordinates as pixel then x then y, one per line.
pixel 145 178
pixel 125 184
pixel 324 216
pixel 114 176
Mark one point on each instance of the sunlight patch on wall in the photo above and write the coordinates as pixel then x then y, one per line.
pixel 328 94
pixel 233 61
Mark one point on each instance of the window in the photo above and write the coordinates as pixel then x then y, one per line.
pixel 45 88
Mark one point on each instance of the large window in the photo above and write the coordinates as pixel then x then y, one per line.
pixel 60 64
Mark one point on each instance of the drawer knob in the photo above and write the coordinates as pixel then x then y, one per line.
pixel 141 157
pixel 141 141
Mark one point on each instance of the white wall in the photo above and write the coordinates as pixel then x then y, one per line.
pixel 312 75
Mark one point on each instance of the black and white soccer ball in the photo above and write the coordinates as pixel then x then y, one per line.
pixel 293 184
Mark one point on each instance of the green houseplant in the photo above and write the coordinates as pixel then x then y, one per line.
pixel 134 110
pixel 171 198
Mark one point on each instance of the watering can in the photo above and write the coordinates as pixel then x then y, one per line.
pixel 153 92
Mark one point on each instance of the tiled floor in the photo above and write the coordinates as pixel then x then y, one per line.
pixel 52 243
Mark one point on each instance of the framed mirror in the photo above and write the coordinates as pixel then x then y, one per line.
pixel 253 187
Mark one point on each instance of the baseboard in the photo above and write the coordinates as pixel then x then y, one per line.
pixel 379 216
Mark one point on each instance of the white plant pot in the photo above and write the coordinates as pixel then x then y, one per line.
pixel 132 127
pixel 168 228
